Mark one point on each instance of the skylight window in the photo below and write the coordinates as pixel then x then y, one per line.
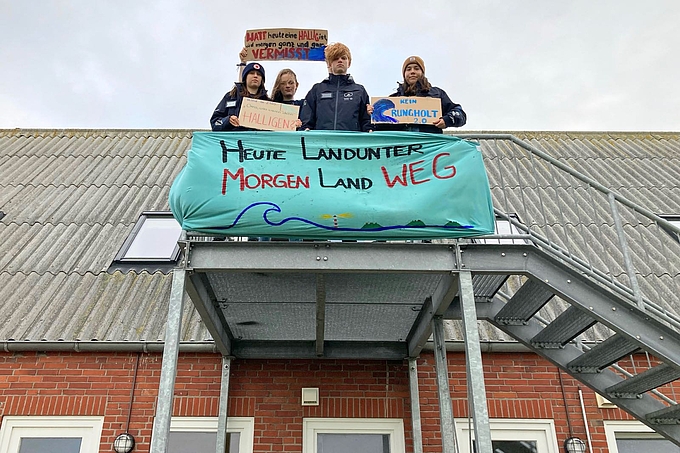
pixel 153 239
pixel 504 226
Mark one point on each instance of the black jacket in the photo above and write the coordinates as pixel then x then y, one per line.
pixel 337 103
pixel 453 113
pixel 230 105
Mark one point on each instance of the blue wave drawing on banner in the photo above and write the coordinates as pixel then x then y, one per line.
pixel 379 109
pixel 275 208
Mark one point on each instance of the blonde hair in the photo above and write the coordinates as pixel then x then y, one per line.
pixel 276 91
pixel 335 51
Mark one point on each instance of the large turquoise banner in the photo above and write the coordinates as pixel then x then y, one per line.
pixel 333 185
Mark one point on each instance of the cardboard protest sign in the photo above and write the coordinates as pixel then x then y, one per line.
pixel 268 116
pixel 333 184
pixel 285 44
pixel 412 110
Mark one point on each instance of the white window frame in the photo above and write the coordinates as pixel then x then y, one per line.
pixel 14 428
pixel 245 426
pixel 540 430
pixel 122 255
pixel 641 431
pixel 392 426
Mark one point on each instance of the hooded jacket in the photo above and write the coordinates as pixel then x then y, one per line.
pixel 336 103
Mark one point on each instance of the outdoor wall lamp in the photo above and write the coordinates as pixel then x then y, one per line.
pixel 124 443
pixel 574 445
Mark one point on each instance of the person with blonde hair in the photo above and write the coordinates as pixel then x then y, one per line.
pixel 285 87
pixel 337 102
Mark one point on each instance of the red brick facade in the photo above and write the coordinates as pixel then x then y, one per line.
pixel 519 385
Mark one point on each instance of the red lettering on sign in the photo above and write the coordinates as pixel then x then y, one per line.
pixel 413 170
pixel 451 168
pixel 227 174
pixel 253 181
pixel 393 182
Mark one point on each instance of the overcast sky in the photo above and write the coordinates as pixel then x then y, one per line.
pixel 588 65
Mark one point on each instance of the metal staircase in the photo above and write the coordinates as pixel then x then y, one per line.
pixel 582 305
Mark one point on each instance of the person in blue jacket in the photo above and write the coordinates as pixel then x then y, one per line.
pixel 225 116
pixel 416 84
pixel 337 102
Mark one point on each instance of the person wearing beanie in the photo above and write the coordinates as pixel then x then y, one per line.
pixel 416 84
pixel 337 102
pixel 251 85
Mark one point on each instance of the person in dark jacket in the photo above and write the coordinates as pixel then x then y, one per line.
pixel 225 116
pixel 337 103
pixel 416 84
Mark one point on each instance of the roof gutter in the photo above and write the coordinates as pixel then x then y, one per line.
pixel 202 347
pixel 104 346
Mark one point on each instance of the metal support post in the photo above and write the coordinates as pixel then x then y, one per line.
pixel 473 365
pixel 224 398
pixel 442 368
pixel 630 269
pixel 166 387
pixel 415 405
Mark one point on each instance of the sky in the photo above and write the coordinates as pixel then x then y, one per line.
pixel 535 65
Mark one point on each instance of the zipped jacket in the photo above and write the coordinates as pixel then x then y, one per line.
pixel 336 103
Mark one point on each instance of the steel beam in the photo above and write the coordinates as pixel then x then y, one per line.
pixel 435 306
pixel 415 405
pixel 161 427
pixel 221 444
pixel 204 300
pixel 447 427
pixel 473 365
pixel 278 349
pixel 320 257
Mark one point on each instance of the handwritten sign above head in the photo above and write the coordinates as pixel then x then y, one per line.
pixel 333 184
pixel 268 116
pixel 286 44
pixel 412 110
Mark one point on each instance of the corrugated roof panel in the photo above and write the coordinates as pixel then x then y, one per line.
pixel 72 196
pixel 104 307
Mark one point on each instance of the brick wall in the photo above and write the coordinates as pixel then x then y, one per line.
pixel 518 386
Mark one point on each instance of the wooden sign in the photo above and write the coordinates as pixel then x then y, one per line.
pixel 285 44
pixel 268 116
pixel 412 110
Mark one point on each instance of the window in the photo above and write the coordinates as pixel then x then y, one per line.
pixel 504 226
pixel 625 436
pixel 153 239
pixel 512 435
pixel 199 434
pixel 53 434
pixel 358 435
